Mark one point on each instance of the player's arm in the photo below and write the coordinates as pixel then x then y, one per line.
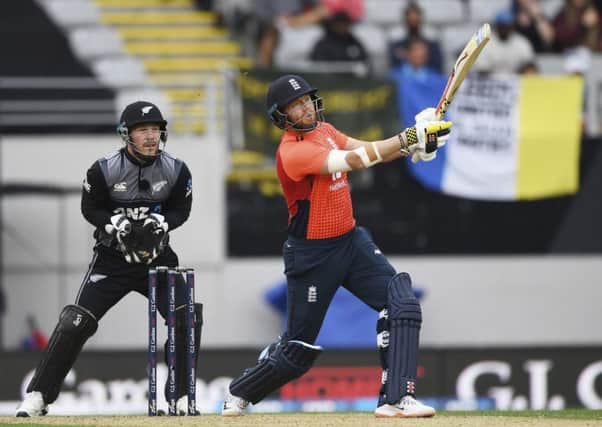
pixel 177 207
pixel 95 198
pixel 421 140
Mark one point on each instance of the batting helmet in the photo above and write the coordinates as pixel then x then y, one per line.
pixel 137 113
pixel 286 89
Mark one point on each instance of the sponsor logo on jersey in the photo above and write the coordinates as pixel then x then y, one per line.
pixel 188 187
pixel 337 186
pixel 138 213
pixel 312 294
pixel 333 145
pixel 97 277
pixel 120 187
pixel 78 319
pixel 87 186
pixel 157 186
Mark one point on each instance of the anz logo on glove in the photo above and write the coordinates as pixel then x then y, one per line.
pixel 136 214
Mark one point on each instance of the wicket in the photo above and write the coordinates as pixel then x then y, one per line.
pixel 153 278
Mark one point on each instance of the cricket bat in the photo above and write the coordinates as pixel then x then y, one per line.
pixel 462 66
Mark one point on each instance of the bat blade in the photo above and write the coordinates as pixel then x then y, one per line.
pixel 467 57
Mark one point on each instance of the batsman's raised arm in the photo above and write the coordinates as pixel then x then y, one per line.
pixel 421 140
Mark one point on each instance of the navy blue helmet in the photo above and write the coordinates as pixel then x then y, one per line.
pixel 286 89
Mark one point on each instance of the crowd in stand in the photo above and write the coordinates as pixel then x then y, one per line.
pixel 520 32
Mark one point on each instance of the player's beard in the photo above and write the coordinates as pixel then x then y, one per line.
pixel 148 151
pixel 306 122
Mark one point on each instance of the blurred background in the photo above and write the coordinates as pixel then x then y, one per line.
pixel 501 234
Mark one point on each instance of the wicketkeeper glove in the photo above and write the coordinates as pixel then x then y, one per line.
pixel 119 225
pixel 156 222
pixel 146 241
pixel 427 135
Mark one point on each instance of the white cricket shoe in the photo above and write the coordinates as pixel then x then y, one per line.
pixel 32 406
pixel 182 406
pixel 407 407
pixel 234 406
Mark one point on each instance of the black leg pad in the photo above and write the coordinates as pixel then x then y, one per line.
pixel 75 326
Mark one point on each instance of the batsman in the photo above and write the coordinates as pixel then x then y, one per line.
pixel 134 197
pixel 326 248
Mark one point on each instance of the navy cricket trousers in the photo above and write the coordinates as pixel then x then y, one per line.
pixel 316 268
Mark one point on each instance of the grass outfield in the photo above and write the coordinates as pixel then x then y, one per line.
pixel 567 418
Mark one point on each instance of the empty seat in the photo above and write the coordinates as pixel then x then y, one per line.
pixel 93 42
pixel 374 39
pixel 444 11
pixel 120 72
pixel 295 44
pixel 485 11
pixel 383 12
pixel 69 13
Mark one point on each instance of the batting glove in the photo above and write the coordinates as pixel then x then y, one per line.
pixel 427 135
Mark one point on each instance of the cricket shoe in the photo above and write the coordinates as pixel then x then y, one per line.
pixel 234 406
pixel 407 407
pixel 182 406
pixel 32 406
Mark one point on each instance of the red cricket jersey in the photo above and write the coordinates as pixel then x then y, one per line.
pixel 319 206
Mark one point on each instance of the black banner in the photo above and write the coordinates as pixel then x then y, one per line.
pixel 514 378
pixel 360 107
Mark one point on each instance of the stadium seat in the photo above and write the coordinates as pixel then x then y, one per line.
pixel 120 72
pixel 443 11
pixel 374 39
pixel 383 12
pixel 93 42
pixel 71 13
pixel 295 44
pixel 485 11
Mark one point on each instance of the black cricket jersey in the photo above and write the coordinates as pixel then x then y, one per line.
pixel 119 183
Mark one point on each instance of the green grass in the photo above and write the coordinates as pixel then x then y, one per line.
pixel 575 414
pixel 564 418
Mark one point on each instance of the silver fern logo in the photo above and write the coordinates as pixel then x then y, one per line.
pixel 312 294
pixel 146 110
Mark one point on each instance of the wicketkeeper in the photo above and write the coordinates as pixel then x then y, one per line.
pixel 134 197
pixel 325 248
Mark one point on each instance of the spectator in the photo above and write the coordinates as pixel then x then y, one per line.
pixel 398 50
pixel 296 13
pixel 507 50
pixel 338 42
pixel 268 13
pixel 529 69
pixel 577 24
pixel 36 340
pixel 416 65
pixel 327 8
pixel 532 23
